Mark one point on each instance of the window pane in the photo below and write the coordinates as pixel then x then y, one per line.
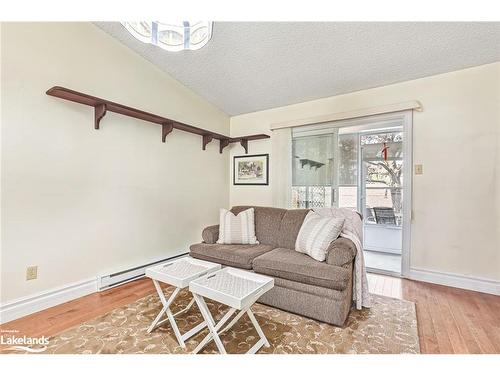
pixel 312 160
pixel 311 196
pixel 384 173
pixel 299 197
pixel 348 163
pixel 379 138
pixel 348 197
pixel 384 206
pixel 312 163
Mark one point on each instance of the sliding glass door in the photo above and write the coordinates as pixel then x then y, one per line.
pixel 359 164
pixel 382 182
pixel 382 198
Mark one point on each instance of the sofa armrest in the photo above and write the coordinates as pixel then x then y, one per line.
pixel 210 234
pixel 341 252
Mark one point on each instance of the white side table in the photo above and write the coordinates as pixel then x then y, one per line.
pixel 237 289
pixel 178 273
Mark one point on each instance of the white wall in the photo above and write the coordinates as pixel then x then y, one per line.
pixel 79 202
pixel 456 225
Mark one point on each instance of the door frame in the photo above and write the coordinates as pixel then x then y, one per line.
pixel 407 191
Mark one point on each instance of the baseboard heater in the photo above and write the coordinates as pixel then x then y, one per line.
pixel 118 278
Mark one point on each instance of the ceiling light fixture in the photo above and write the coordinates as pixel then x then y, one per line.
pixel 171 36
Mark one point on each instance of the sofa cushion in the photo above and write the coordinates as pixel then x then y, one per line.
pixel 237 229
pixel 240 256
pixel 267 222
pixel 316 235
pixel 291 265
pixel 290 226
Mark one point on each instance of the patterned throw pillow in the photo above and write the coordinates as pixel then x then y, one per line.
pixel 316 234
pixel 238 229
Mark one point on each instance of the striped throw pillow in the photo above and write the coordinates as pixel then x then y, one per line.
pixel 316 234
pixel 238 229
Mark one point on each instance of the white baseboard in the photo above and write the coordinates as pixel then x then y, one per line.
pixel 455 280
pixel 18 308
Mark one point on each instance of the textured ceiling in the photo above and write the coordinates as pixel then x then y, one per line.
pixel 248 67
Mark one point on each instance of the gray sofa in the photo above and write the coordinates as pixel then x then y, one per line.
pixel 302 285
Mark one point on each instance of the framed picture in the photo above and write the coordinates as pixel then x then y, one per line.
pixel 251 170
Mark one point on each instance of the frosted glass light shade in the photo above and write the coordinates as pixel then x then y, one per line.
pixel 171 36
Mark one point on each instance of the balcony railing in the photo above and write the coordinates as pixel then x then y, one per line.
pixel 311 196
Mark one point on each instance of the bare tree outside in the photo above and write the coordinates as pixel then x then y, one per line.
pixel 388 172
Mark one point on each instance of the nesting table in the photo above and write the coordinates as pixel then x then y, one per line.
pixel 178 273
pixel 237 289
pixel 232 287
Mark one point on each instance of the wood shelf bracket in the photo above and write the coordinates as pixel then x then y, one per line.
pixel 244 144
pixel 223 143
pixel 99 113
pixel 166 129
pixel 102 106
pixel 207 138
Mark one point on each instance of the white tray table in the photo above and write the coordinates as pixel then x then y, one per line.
pixel 179 273
pixel 237 289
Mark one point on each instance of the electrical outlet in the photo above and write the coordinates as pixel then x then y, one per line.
pixel 31 272
pixel 419 169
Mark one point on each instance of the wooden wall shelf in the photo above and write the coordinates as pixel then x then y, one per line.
pixel 102 106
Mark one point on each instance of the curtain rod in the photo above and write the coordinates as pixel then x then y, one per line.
pixel 388 108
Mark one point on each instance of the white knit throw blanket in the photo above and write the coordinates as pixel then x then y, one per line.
pixel 353 230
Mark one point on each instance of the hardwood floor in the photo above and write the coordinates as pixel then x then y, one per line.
pixel 450 320
pixel 61 317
